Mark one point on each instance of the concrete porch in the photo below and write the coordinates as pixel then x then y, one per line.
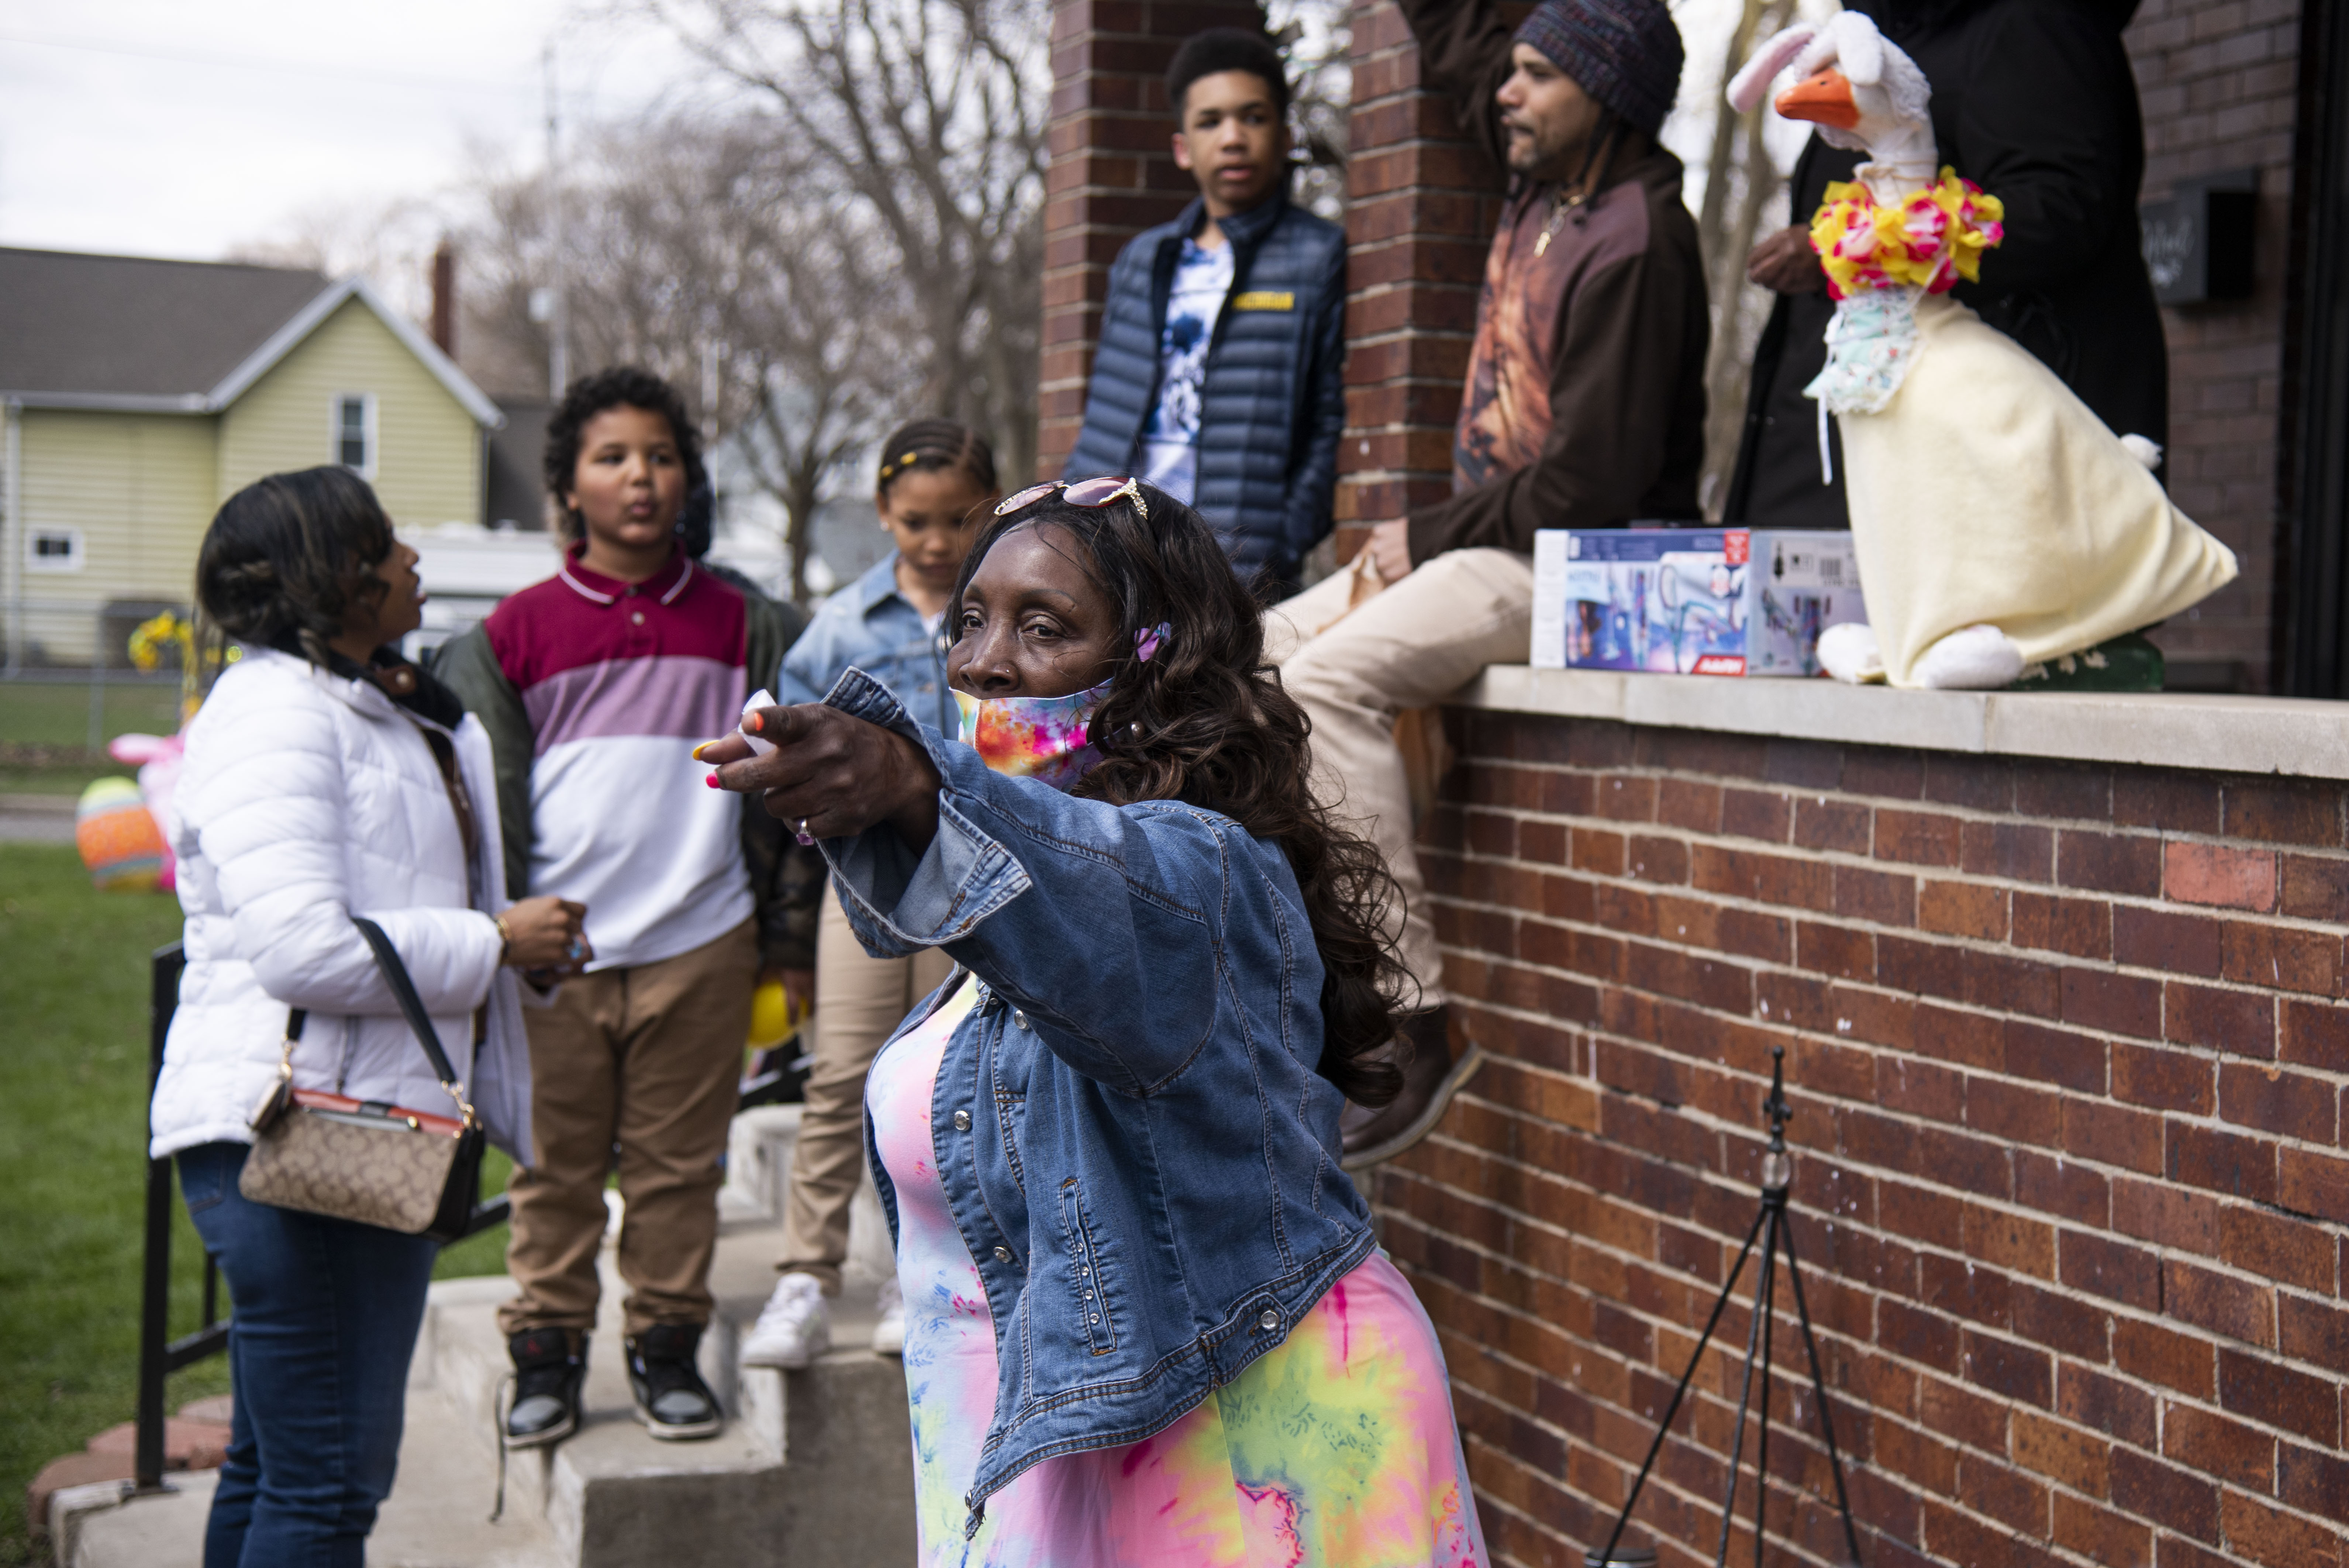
pixel 814 1467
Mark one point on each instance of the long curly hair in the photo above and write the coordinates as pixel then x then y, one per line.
pixel 285 559
pixel 1205 720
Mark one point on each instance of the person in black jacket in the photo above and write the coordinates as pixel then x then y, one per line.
pixel 1583 406
pixel 2035 102
pixel 1220 374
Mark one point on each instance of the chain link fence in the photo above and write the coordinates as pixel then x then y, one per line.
pixel 70 680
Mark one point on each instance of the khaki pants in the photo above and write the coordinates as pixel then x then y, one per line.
pixel 1413 645
pixel 859 1002
pixel 649 1058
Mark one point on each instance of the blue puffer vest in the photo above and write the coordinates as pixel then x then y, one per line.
pixel 1132 1138
pixel 1275 399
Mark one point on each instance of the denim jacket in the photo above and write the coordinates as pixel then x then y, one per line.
pixel 1132 1140
pixel 870 624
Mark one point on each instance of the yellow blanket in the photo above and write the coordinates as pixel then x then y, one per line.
pixel 1986 492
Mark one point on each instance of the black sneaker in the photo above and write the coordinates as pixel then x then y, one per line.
pixel 550 1367
pixel 672 1400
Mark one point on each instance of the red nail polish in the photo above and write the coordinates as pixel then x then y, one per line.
pixel 750 724
pixel 711 780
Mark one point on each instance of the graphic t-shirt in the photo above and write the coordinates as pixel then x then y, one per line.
pixel 1170 442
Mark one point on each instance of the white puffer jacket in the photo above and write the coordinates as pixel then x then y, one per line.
pixel 307 799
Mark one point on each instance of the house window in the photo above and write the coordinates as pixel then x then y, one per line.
pixel 53 550
pixel 353 433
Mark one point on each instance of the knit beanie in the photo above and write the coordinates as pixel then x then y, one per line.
pixel 1624 53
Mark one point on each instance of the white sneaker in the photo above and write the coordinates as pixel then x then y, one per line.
pixel 889 1330
pixel 793 1328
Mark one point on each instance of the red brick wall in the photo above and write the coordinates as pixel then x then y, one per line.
pixel 2219 80
pixel 1422 204
pixel 2068 1057
pixel 1112 175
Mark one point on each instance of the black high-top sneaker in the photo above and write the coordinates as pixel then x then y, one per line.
pixel 550 1367
pixel 672 1400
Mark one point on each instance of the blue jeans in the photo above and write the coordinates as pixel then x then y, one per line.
pixel 326 1321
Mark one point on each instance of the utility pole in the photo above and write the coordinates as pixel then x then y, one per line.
pixel 558 330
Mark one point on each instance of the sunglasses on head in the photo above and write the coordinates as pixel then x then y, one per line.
pixel 1079 493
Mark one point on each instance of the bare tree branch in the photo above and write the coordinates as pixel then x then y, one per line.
pixel 719 254
pixel 930 113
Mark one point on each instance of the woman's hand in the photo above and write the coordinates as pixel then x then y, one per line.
pixel 545 935
pixel 1390 548
pixel 831 776
pixel 1786 263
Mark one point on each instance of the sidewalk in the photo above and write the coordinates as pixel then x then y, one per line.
pixel 36 818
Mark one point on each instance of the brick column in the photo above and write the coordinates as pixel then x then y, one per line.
pixel 1422 203
pixel 1111 176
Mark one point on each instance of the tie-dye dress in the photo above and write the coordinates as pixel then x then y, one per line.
pixel 1336 1449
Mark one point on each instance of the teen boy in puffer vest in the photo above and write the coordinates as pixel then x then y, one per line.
pixel 1220 374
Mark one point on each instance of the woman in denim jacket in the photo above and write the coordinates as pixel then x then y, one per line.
pixel 1146 1320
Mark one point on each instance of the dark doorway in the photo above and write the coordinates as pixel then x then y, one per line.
pixel 2314 656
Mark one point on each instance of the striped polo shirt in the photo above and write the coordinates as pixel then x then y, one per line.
pixel 620 681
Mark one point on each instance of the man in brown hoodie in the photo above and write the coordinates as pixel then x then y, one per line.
pixel 1584 409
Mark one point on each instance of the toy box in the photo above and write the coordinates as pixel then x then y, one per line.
pixel 1670 600
pixel 1800 582
pixel 1690 601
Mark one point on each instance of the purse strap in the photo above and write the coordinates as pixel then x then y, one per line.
pixel 411 1006
pixel 403 990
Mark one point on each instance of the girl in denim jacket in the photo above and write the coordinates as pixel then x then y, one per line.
pixel 1146 1319
pixel 936 480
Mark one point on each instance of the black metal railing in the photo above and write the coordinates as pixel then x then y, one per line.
pixel 159 1358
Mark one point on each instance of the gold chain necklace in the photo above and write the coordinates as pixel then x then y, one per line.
pixel 1560 204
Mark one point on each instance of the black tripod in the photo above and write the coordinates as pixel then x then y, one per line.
pixel 1771 1225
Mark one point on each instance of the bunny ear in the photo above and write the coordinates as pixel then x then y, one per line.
pixel 1746 88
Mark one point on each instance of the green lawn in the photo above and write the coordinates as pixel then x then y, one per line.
pixel 73 1087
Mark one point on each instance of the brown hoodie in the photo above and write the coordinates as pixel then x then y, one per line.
pixel 1585 402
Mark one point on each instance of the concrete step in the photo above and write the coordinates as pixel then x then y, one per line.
pixel 437 1516
pixel 814 1467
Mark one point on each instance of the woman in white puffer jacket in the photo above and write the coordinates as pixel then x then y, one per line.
pixel 325 778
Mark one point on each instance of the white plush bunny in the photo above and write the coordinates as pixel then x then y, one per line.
pixel 1998 522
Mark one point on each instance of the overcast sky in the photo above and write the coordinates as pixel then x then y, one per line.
pixel 165 127
pixel 178 129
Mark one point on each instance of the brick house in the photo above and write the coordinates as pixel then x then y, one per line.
pixel 2060 980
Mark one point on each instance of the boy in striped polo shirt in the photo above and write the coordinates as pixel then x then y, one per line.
pixel 594 685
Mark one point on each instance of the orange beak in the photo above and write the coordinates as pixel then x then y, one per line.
pixel 1823 99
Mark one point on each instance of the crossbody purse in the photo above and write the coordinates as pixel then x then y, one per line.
pixel 321 1153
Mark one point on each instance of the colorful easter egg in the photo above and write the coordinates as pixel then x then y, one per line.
pixel 118 837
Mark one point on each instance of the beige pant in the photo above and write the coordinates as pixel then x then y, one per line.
pixel 859 1002
pixel 649 1058
pixel 1353 670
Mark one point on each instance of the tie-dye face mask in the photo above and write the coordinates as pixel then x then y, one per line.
pixel 1047 739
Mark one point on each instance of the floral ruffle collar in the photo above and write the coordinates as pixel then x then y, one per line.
pixel 1930 240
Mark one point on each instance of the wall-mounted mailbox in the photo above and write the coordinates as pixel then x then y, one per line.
pixel 2197 244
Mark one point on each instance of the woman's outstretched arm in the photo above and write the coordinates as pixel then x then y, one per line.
pixel 1100 924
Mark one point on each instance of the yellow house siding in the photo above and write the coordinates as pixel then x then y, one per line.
pixel 427 458
pixel 140 488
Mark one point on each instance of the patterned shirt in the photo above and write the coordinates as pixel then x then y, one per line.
pixel 1170 442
